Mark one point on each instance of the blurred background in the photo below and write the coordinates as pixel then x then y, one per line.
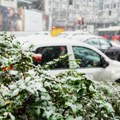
pixel 43 15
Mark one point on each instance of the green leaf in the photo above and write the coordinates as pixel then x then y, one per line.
pixel 78 118
pixel 11 116
pixel 72 106
pixel 109 107
pixel 70 118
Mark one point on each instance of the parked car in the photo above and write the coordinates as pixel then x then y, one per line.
pixel 110 48
pixel 43 33
pixel 24 34
pixel 116 37
pixel 69 34
pixel 93 61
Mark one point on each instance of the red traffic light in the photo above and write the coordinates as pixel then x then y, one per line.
pixel 81 20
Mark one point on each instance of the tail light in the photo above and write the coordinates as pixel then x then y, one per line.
pixel 37 57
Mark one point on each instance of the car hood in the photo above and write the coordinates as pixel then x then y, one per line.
pixel 111 49
pixel 114 48
pixel 112 52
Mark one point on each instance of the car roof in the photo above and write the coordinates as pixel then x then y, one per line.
pixel 39 41
pixel 43 32
pixel 74 32
pixel 68 34
pixel 92 36
pixel 85 37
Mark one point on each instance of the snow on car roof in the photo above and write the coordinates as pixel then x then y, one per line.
pixel 67 34
pixel 35 39
pixel 76 31
pixel 85 37
pixel 41 40
pixel 38 41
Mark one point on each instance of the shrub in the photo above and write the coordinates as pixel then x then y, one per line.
pixel 29 92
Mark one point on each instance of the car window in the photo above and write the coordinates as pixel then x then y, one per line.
pixel 104 43
pixel 88 58
pixel 53 52
pixel 93 41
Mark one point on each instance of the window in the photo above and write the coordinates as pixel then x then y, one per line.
pixel 76 6
pixel 114 5
pixel 94 42
pixel 104 43
pixel 118 4
pixel 88 58
pixel 70 2
pixel 109 12
pixel 107 6
pixel 52 52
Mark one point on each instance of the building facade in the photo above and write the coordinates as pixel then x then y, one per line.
pixel 67 12
pixel 100 13
pixel 9 3
pixel 110 14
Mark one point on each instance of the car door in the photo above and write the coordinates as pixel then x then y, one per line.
pixel 91 67
pixel 49 54
pixel 90 61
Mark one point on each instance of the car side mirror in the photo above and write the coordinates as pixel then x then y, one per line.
pixel 104 63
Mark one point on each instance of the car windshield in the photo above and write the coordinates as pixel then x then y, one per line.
pixel 105 43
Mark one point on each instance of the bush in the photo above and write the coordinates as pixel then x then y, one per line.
pixel 28 92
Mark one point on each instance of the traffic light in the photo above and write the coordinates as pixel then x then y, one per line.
pixel 81 20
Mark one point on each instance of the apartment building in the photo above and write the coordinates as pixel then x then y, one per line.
pixel 67 12
pixel 110 12
pixel 9 3
pixel 62 12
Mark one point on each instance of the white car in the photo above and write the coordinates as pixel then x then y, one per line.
pixel 93 61
pixel 109 47
pixel 70 34
pixel 25 34
pixel 47 33
pixel 96 41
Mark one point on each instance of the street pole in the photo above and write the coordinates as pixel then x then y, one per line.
pixel 51 17
pixel 66 24
pixel 41 5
